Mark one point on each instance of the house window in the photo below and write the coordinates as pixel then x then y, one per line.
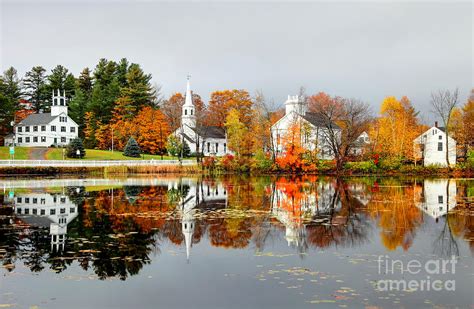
pixel 73 130
pixel 52 212
pixel 440 146
pixel 191 112
pixel 72 210
pixel 440 137
pixel 55 140
pixel 18 199
pixel 27 200
pixel 20 140
pixel 217 147
pixel 62 211
pixel 208 147
pixel 43 201
pixel 27 139
pixel 35 128
pixel 43 128
pixel 18 210
pixel 43 139
pixel 434 131
pixel 63 200
pixel 440 199
pixel 27 129
pixel 20 129
pixel 27 211
pixel 35 139
pixel 225 147
pixel 53 128
pixel 185 111
pixel 43 212
pixel 63 139
pixel 35 211
pixel 35 200
pixel 63 129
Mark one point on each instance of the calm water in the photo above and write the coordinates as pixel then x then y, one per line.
pixel 236 243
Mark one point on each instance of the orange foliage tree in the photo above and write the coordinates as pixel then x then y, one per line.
pixel 221 102
pixel 396 128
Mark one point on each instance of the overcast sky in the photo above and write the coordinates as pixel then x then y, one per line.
pixel 359 49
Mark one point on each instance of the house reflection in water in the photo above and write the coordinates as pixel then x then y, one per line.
pixel 296 203
pixel 436 197
pixel 196 195
pixel 53 211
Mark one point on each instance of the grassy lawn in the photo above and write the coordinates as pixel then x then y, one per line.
pixel 94 154
pixel 21 153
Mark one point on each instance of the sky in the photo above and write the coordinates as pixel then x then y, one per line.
pixel 363 50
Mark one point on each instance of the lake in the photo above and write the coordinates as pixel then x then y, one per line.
pixel 236 242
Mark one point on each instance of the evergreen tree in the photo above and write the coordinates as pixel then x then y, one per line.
pixel 84 83
pixel 61 79
pixel 77 110
pixel 10 94
pixel 186 150
pixel 132 149
pixel 105 91
pixel 138 88
pixel 36 88
pixel 73 147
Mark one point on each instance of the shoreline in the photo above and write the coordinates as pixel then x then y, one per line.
pixel 6 171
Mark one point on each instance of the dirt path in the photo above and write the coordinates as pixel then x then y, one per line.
pixel 37 153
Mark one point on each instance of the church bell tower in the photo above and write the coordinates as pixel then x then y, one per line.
pixel 59 103
pixel 188 114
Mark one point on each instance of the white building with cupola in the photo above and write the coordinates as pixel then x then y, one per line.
pixel 54 211
pixel 208 140
pixel 313 134
pixel 46 129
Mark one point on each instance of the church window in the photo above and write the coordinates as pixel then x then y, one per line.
pixel 20 140
pixel 35 139
pixel 63 139
pixel 63 129
pixel 440 146
pixel 225 147
pixel 43 128
pixel 43 212
pixel 208 147
pixel 73 129
pixel 20 129
pixel 53 128
pixel 27 129
pixel 43 139
pixel 52 212
pixel 62 102
pixel 27 139
pixel 35 200
pixel 440 199
pixel 35 128
pixel 440 137
pixel 217 147
pixel 191 112
pixel 185 111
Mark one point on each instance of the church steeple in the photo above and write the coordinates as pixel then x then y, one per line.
pixel 188 115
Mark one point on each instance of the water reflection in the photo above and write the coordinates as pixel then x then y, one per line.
pixel 115 227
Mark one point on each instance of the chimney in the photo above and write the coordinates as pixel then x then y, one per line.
pixel 436 124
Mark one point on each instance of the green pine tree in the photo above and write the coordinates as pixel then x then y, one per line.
pixel 132 149
pixel 73 147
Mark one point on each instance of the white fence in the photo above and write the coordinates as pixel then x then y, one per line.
pixel 91 163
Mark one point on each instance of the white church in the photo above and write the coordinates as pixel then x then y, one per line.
pixel 208 140
pixel 46 129
pixel 314 137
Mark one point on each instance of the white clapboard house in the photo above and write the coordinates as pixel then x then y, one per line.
pixel 46 129
pixel 431 147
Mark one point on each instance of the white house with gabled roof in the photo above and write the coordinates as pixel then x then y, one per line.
pixel 431 147
pixel 46 129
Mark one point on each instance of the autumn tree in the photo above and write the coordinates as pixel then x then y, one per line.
pixel 152 130
pixel 443 103
pixel 342 121
pixel 222 102
pixel 394 130
pixel 292 158
pixel 236 132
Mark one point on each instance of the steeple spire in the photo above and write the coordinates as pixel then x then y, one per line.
pixel 189 97
pixel 188 116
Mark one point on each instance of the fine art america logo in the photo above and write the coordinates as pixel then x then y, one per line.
pixel 430 275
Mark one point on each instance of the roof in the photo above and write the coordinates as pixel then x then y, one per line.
pixel 36 220
pixel 316 120
pixel 37 119
pixel 210 132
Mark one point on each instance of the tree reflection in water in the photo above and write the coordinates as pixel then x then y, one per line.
pixel 115 230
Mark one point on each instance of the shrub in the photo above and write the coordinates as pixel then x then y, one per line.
pixel 209 163
pixel 390 164
pixel 227 162
pixel 470 159
pixel 361 167
pixel 132 149
pixel 262 162
pixel 73 147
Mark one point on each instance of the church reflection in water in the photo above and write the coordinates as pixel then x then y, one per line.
pixel 115 225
